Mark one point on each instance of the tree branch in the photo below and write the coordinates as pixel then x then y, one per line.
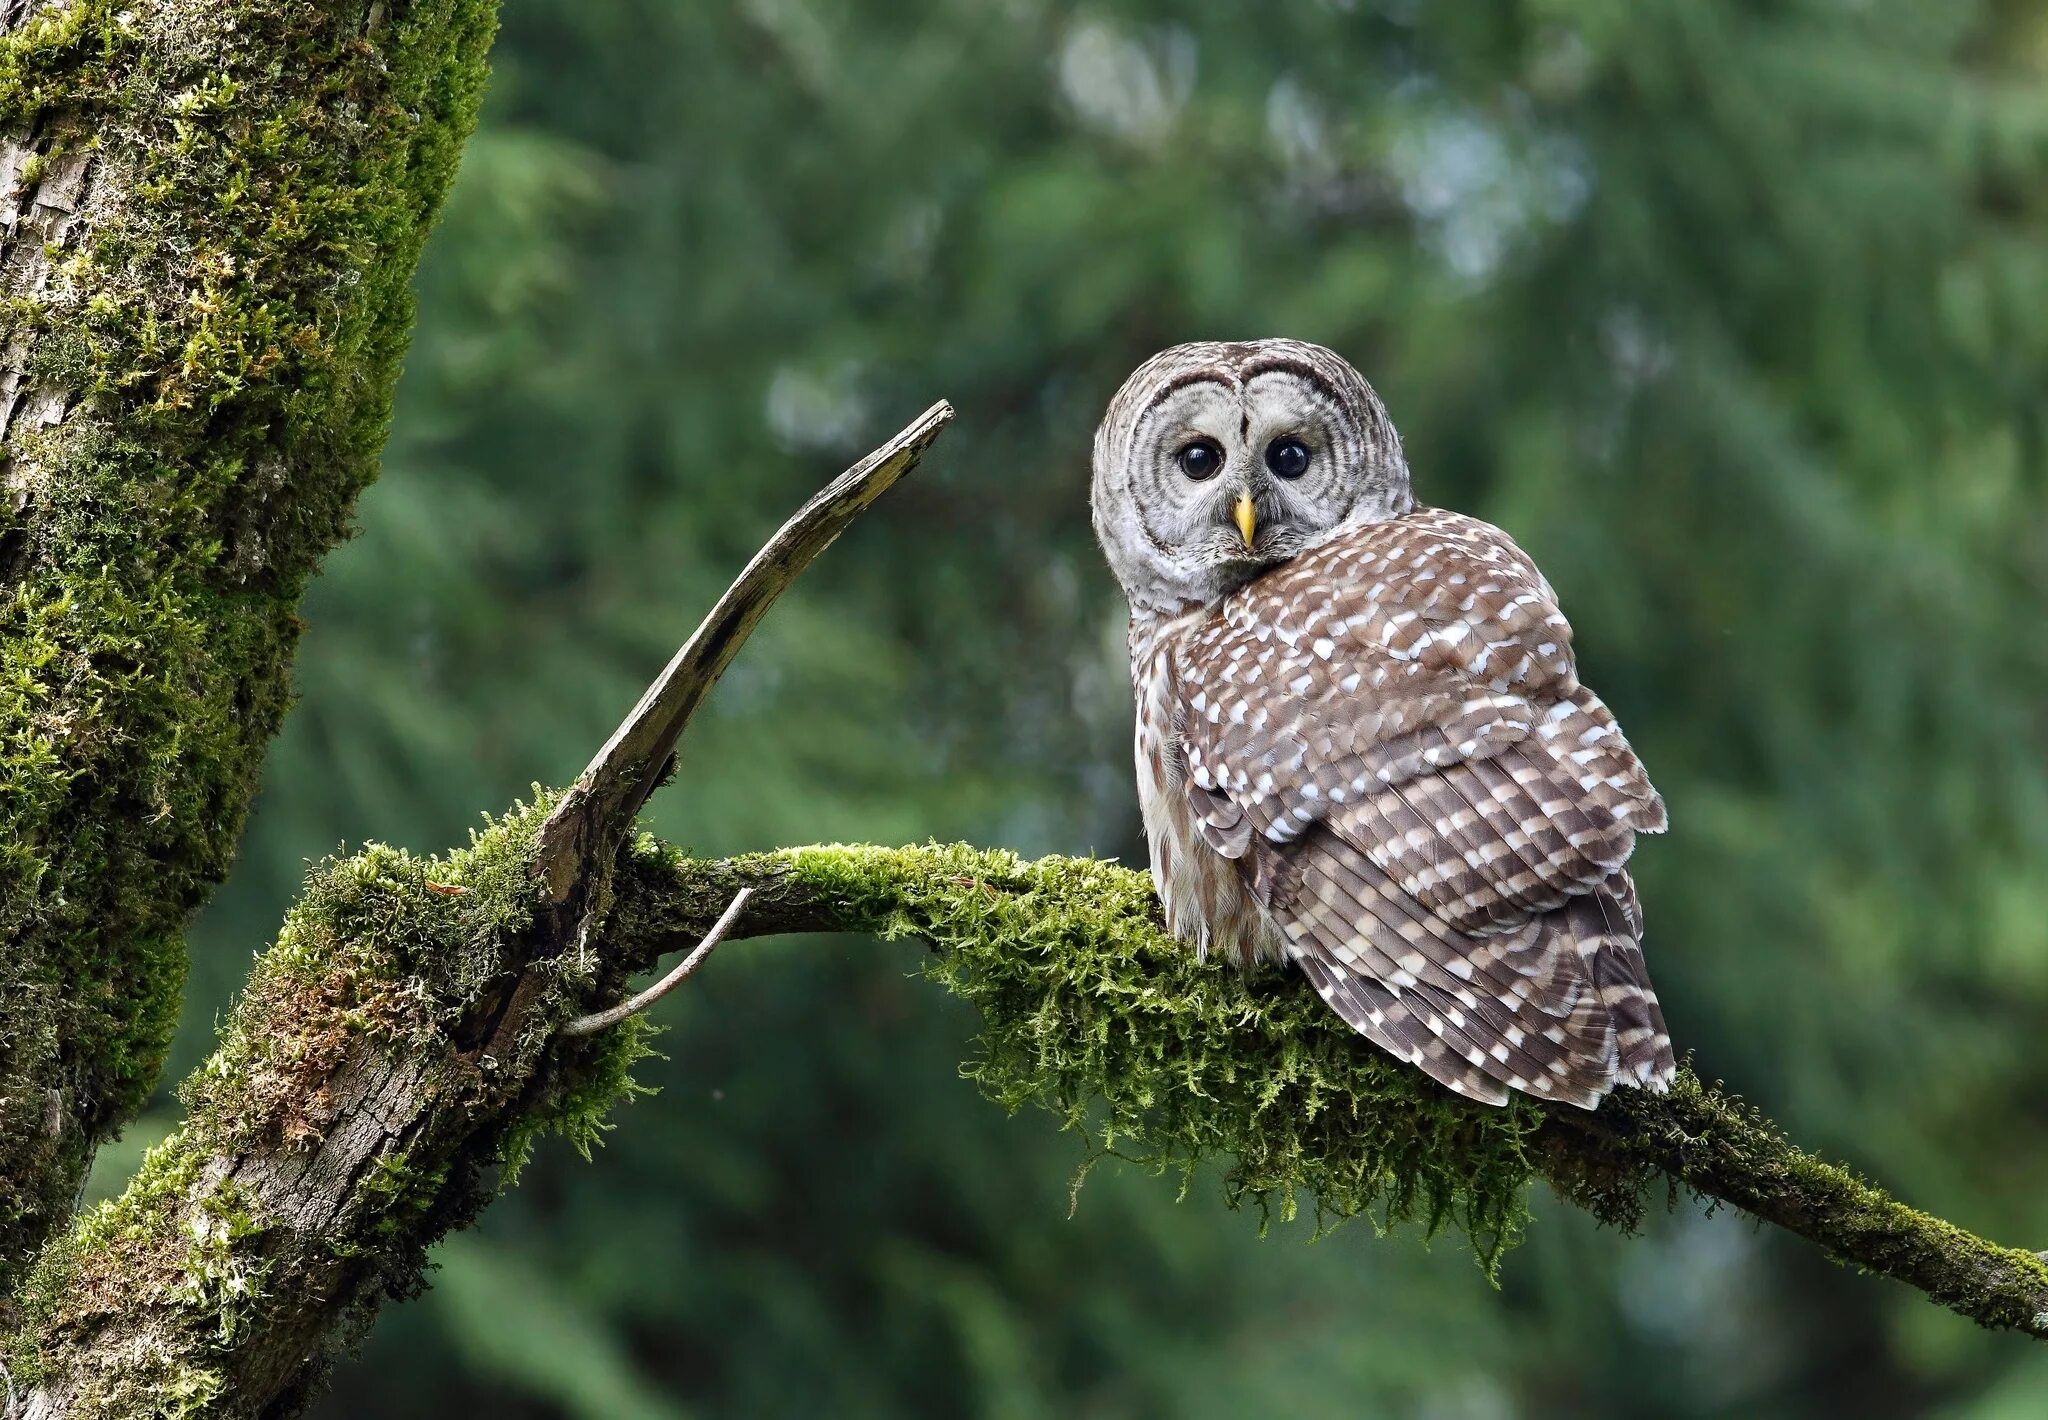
pixel 351 1118
pixel 684 969
pixel 1024 948
pixel 583 834
pixel 1722 1148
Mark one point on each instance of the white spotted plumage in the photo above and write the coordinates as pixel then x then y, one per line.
pixel 1362 745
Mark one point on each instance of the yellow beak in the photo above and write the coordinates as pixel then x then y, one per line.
pixel 1247 519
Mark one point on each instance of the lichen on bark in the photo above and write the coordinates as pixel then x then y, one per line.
pixel 209 214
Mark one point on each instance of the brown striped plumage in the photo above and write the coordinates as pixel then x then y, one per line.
pixel 1364 747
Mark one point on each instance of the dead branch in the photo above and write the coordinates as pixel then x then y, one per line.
pixel 593 818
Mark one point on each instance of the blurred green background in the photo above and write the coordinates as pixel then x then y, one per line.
pixel 1736 314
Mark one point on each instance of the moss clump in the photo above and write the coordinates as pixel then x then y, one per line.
pixel 211 311
pixel 121 1252
pixel 383 948
pixel 1089 1008
pixel 579 1106
pixel 176 1239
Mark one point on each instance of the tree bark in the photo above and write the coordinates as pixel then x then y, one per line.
pixel 374 1086
pixel 209 214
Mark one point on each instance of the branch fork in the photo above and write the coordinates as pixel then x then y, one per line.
pixel 602 1020
pixel 580 842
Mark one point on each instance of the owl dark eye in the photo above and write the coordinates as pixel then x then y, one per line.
pixel 1201 459
pixel 1288 457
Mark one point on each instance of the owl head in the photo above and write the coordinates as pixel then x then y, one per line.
pixel 1218 460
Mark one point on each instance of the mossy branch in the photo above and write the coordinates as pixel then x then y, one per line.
pixel 385 1068
pixel 400 1047
pixel 1090 1008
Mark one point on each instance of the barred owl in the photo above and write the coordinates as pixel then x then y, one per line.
pixel 1362 744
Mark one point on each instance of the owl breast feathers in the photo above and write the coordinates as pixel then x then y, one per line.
pixel 1377 761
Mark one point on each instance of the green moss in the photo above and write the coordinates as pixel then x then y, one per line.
pixel 133 1249
pixel 1722 1150
pixel 396 1194
pixel 1089 1009
pixel 579 1106
pixel 172 1239
pixel 59 55
pixel 382 946
pixel 223 322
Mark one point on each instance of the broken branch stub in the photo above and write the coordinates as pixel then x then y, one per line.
pixel 582 836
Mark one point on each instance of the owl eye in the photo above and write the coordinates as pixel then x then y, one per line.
pixel 1200 459
pixel 1287 457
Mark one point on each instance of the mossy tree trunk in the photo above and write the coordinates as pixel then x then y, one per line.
pixel 212 210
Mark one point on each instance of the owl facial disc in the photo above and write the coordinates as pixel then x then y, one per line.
pixel 1218 460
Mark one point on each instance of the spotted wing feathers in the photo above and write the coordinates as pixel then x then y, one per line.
pixel 1389 737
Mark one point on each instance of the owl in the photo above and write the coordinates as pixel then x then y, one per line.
pixel 1362 744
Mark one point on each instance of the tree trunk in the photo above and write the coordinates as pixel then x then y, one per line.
pixel 212 210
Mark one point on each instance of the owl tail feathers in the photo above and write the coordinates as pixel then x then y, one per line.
pixel 1605 934
pixel 1589 1025
pixel 1385 1019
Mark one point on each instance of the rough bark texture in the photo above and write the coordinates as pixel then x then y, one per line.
pixel 399 1047
pixel 209 213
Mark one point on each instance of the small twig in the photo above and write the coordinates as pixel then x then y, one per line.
pixel 601 1020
